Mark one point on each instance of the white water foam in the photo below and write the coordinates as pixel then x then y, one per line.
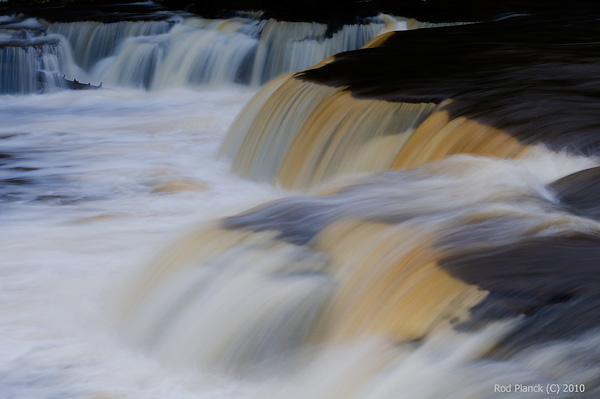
pixel 95 184
pixel 106 179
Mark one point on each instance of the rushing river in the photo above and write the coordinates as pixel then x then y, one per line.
pixel 93 185
pixel 124 274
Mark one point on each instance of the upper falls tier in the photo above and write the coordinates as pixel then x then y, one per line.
pixel 173 50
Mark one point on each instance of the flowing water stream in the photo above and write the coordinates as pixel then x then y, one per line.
pixel 125 275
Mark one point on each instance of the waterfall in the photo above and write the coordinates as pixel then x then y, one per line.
pixel 294 46
pixel 205 57
pixel 32 61
pixel 178 51
pixel 382 276
pixel 92 41
pixel 35 65
pixel 201 52
pixel 299 134
pixel 415 218
pixel 467 93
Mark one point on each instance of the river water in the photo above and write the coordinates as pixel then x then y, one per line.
pixel 107 196
pixel 96 183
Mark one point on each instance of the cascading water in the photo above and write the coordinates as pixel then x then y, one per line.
pixel 384 281
pixel 215 52
pixel 92 41
pixel 176 52
pixel 466 268
pixel 288 47
pixel 30 61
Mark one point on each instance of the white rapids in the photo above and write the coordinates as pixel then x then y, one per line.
pixel 95 184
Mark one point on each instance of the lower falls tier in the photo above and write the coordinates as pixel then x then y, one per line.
pixel 496 255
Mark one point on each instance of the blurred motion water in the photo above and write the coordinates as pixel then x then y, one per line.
pixel 135 264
